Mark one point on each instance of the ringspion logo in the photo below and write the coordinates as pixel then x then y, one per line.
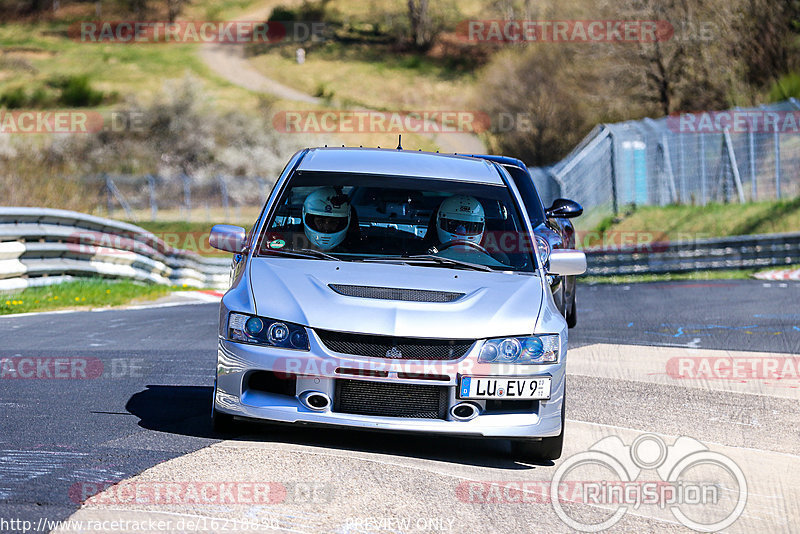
pixel 704 490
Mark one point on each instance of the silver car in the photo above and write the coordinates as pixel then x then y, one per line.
pixel 397 291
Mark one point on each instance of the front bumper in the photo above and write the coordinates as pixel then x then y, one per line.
pixel 319 369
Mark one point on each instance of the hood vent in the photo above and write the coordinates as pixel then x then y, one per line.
pixel 393 293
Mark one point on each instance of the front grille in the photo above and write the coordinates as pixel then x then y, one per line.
pixel 402 348
pixel 390 400
pixel 394 293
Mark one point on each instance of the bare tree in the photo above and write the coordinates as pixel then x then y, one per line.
pixel 768 32
pixel 421 26
pixel 174 8
pixel 687 68
pixel 534 104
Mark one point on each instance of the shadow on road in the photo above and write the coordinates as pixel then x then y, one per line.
pixel 185 410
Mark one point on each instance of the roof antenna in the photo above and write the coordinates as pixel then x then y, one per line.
pixel 399 142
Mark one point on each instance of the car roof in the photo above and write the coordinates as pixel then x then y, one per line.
pixel 392 162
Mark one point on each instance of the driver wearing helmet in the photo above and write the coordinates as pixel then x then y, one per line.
pixel 460 218
pixel 326 218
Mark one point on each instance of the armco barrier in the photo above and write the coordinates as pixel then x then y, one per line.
pixel 41 245
pixel 739 252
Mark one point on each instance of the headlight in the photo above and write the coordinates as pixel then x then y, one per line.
pixel 521 350
pixel 543 247
pixel 262 331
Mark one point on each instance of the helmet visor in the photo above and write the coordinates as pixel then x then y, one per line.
pixel 465 228
pixel 326 224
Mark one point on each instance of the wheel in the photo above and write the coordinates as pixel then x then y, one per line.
pixel 222 423
pixel 572 310
pixel 546 449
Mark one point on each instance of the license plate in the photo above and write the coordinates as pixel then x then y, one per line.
pixel 509 388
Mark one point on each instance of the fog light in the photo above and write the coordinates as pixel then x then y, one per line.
pixel 299 339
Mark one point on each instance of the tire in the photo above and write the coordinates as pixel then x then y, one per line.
pixel 560 297
pixel 536 451
pixel 572 313
pixel 222 423
pixel 546 448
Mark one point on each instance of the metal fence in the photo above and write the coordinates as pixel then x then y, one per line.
pixel 754 154
pixel 220 198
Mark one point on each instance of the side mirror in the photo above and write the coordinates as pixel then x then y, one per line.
pixel 228 238
pixel 564 207
pixel 567 262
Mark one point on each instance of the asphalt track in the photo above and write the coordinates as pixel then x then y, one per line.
pixel 142 415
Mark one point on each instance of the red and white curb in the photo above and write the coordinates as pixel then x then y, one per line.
pixel 779 274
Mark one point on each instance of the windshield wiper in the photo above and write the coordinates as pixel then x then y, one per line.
pixel 439 260
pixel 304 253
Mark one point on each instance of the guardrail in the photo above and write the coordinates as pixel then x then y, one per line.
pixel 39 246
pixel 739 252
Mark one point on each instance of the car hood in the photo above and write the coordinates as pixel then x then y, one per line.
pixel 297 290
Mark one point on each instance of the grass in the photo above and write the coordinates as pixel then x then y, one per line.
pixel 371 76
pixel 188 235
pixel 36 53
pixel 668 277
pixel 89 292
pixel 675 223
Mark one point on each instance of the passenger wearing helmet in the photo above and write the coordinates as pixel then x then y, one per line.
pixel 326 218
pixel 460 218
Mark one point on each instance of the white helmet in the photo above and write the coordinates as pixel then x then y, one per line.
pixel 460 218
pixel 326 217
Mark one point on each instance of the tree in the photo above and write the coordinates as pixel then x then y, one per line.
pixel 768 33
pixel 174 8
pixel 534 103
pixel 421 26
pixel 688 68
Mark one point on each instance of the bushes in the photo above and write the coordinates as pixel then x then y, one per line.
pixel 14 98
pixel 76 91
pixel 536 113
pixel 178 132
pixel 308 11
pixel 68 91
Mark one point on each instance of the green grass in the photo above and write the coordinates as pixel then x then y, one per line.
pixel 187 235
pixel 668 277
pixel 676 223
pixel 89 292
pixel 36 54
pixel 372 76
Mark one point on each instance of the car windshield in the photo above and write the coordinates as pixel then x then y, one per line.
pixel 359 217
